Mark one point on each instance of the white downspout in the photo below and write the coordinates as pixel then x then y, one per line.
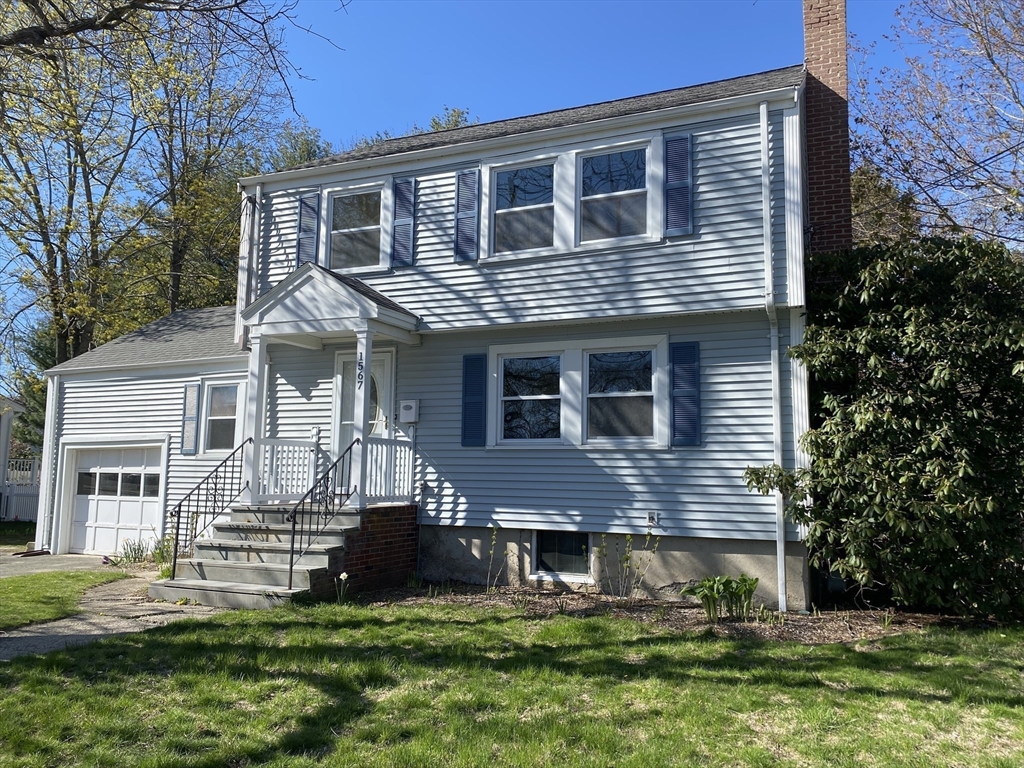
pixel 773 323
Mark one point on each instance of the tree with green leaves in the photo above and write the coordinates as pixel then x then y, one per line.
pixel 916 480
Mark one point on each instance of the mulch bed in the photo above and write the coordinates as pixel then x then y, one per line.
pixel 810 628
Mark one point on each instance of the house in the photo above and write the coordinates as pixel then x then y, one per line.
pixel 487 353
pixel 19 478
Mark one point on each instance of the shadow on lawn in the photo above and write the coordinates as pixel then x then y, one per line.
pixel 342 654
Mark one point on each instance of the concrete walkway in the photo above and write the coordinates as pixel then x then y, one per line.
pixel 118 608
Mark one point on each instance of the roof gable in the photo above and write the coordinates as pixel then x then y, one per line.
pixel 312 293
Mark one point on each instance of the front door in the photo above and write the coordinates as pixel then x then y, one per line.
pixel 381 394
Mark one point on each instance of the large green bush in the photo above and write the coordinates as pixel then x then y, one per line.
pixel 917 478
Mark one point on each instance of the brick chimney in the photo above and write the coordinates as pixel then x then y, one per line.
pixel 827 126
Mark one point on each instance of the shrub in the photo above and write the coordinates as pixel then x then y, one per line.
pixel 916 351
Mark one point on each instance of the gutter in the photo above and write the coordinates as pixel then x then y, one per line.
pixel 47 472
pixel 492 145
pixel 773 335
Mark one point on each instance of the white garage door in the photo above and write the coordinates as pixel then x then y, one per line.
pixel 117 497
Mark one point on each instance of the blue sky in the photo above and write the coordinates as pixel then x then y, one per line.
pixel 403 61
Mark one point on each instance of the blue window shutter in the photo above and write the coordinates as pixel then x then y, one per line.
pixel 678 186
pixel 404 230
pixel 308 229
pixel 190 421
pixel 684 359
pixel 467 214
pixel 474 396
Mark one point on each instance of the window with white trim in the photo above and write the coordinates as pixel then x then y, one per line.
pixel 610 392
pixel 562 553
pixel 531 398
pixel 602 194
pixel 524 208
pixel 220 417
pixel 355 230
pixel 613 195
pixel 620 394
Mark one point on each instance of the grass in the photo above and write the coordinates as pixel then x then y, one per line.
pixel 450 686
pixel 38 597
pixel 17 534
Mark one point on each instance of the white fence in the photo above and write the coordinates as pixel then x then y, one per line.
pixel 20 499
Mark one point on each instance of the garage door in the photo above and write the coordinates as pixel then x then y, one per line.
pixel 117 497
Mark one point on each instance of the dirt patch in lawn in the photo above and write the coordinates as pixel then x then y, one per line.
pixel 809 628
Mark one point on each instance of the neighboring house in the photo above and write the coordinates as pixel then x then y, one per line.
pixel 535 336
pixel 19 479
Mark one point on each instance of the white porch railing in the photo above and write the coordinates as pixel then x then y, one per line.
pixel 285 469
pixel 389 470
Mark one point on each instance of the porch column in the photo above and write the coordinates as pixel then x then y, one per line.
pixel 255 397
pixel 364 353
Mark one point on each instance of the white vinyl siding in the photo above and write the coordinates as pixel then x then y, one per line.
pixel 138 407
pixel 718 268
pixel 695 491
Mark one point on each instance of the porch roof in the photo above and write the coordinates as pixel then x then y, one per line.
pixel 313 305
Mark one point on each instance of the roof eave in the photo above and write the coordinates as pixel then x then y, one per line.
pixel 543 134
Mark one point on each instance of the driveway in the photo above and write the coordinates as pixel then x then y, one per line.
pixel 118 608
pixel 17 566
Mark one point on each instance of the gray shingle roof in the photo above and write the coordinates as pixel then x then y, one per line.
pixel 694 94
pixel 191 334
pixel 363 289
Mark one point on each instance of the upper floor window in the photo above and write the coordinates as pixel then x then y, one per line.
pixel 355 230
pixel 524 210
pixel 613 195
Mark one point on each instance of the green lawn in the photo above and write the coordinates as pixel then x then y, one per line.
pixel 46 596
pixel 450 686
pixel 17 534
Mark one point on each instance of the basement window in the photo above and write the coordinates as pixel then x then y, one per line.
pixel 562 553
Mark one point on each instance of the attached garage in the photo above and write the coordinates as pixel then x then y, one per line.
pixel 117 497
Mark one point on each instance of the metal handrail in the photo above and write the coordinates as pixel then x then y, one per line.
pixel 212 492
pixel 319 505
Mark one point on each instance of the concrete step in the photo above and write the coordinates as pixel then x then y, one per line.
pixel 275 515
pixel 227 594
pixel 316 556
pixel 333 535
pixel 256 574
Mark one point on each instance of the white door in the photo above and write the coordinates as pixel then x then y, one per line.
pixel 381 403
pixel 117 497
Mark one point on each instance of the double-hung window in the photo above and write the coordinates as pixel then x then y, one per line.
pixel 620 394
pixel 599 392
pixel 613 195
pixel 355 230
pixel 531 403
pixel 524 208
pixel 221 417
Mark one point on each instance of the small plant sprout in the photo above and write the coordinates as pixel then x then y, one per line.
pixel 340 585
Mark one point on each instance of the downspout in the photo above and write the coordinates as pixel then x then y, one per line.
pixel 773 335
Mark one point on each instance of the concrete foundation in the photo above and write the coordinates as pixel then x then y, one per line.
pixel 659 569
